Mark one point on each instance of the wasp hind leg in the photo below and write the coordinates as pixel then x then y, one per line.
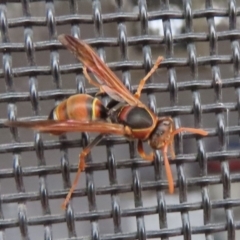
pixel 143 81
pixel 81 168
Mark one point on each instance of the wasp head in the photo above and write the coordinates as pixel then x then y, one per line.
pixel 162 134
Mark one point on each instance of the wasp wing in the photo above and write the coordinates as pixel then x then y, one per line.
pixel 60 127
pixel 109 81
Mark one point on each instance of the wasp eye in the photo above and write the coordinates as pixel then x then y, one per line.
pixel 166 123
pixel 163 127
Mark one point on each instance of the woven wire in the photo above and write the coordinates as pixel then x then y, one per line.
pixel 121 196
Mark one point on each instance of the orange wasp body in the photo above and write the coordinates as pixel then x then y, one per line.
pixel 81 107
pixel 127 117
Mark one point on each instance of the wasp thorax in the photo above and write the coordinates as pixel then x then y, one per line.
pixel 161 134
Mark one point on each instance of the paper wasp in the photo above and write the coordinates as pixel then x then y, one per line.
pixel 129 117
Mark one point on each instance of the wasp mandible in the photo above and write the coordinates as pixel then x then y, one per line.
pixel 128 116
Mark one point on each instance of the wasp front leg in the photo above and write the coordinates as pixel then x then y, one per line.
pixel 150 157
pixel 141 152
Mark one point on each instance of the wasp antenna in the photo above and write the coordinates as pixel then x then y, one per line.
pixel 168 170
pixel 192 130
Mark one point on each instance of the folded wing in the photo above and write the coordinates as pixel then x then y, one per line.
pixel 109 81
pixel 59 127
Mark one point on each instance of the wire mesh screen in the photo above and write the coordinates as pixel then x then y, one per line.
pixel 120 195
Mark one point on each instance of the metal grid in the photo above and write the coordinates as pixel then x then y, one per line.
pixel 121 196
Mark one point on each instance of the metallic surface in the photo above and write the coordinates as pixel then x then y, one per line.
pixel 36 170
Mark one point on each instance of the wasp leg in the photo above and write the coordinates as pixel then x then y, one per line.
pixel 143 81
pixel 141 152
pixel 81 168
pixel 89 78
pixel 150 157
pixel 98 85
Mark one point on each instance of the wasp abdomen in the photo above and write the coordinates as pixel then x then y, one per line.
pixel 79 107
